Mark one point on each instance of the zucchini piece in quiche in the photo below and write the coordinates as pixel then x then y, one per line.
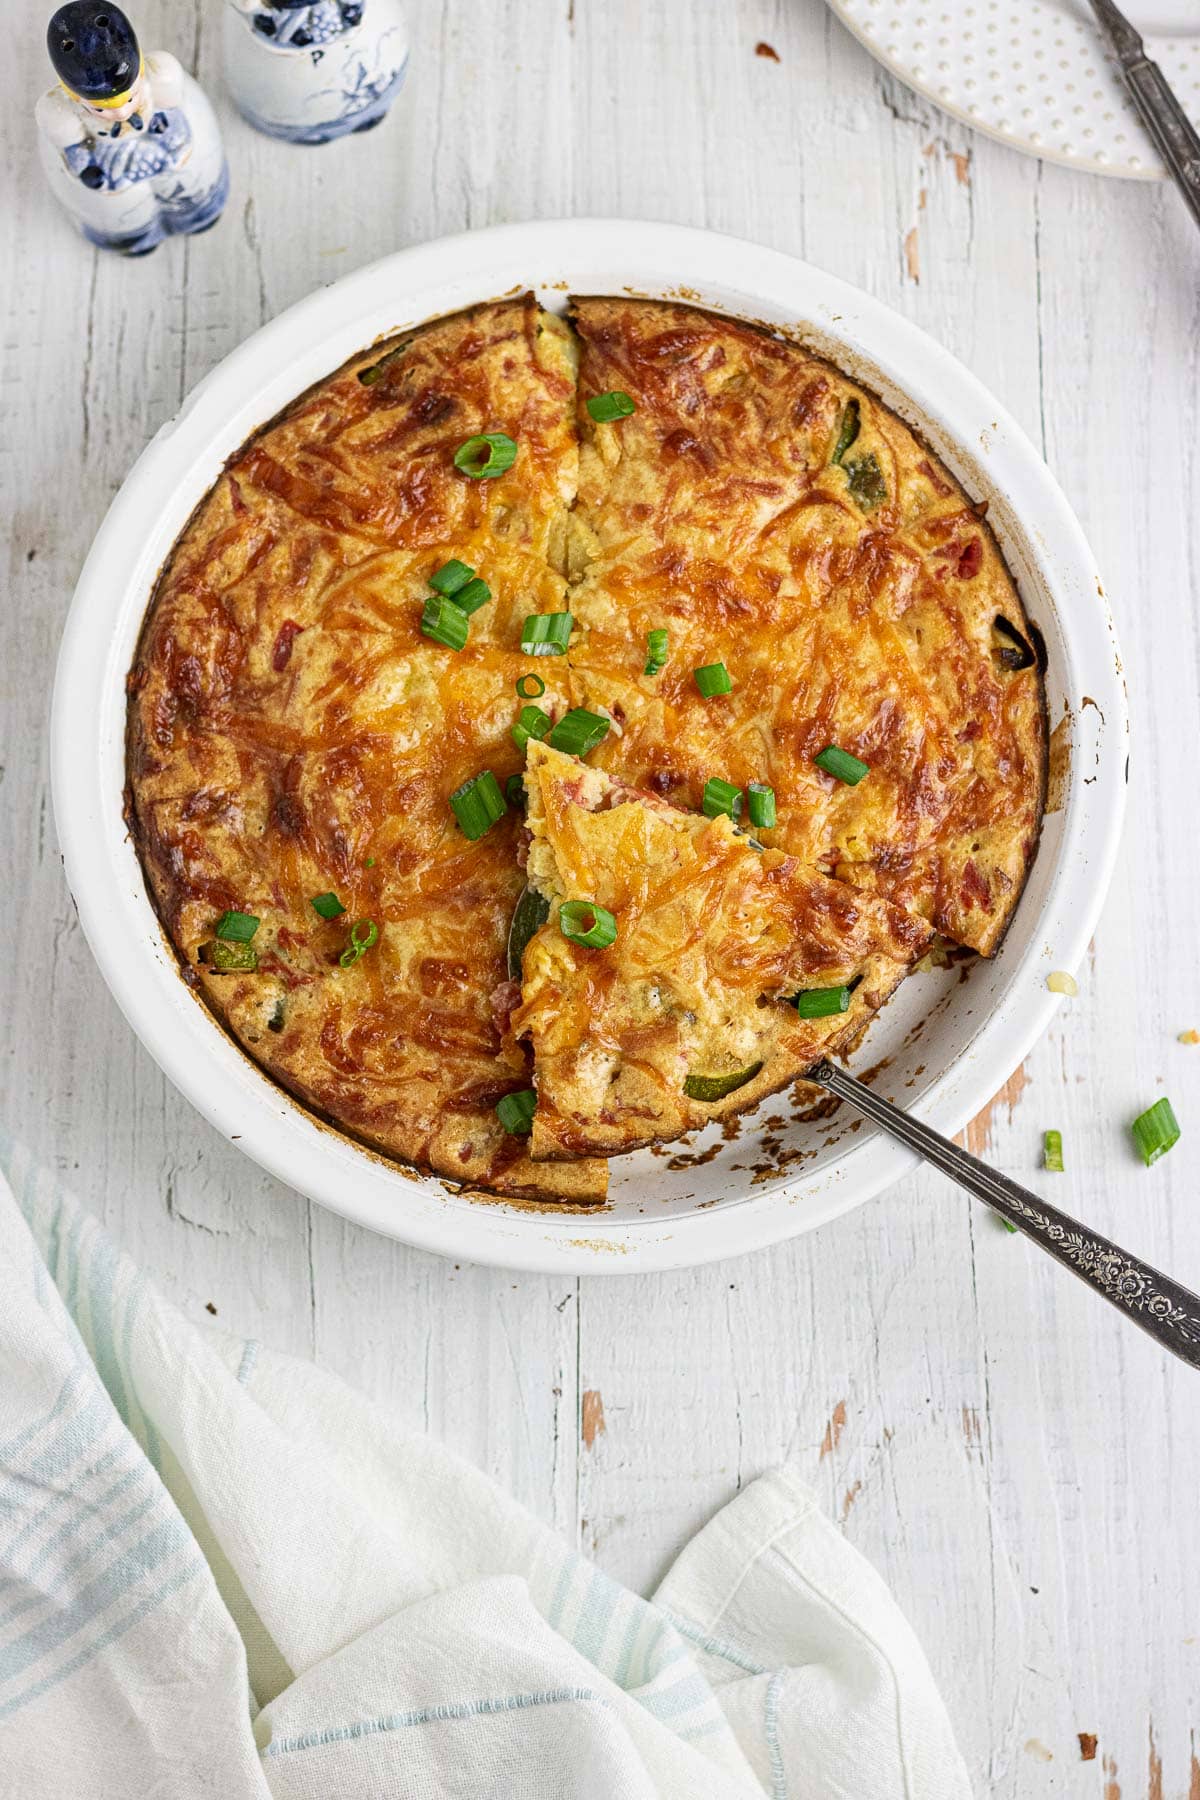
pixel 684 1016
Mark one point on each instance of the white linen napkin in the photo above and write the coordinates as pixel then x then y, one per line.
pixel 225 1574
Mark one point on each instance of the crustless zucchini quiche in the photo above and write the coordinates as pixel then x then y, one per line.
pixel 550 735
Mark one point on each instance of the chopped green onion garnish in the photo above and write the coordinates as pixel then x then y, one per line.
pixel 821 1003
pixel 1007 1223
pixel 656 651
pixel 760 803
pixel 546 634
pixel 1155 1130
pixel 370 376
pixel 472 595
pixel 866 481
pixel 445 622
pixel 370 863
pixel 363 933
pixel 848 430
pixel 236 927
pixel 712 679
pixel 515 1112
pixel 328 905
pixel 227 958
pixel 452 576
pixel 532 722
pixel 586 923
pixel 715 1087
pixel 530 687
pixel 514 793
pixel 478 804
pixel 1052 1154
pixel 488 454
pixel 841 765
pixel 721 797
pixel 614 405
pixel 578 731
pixel 529 915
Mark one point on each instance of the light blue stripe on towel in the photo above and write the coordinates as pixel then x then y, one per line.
pixel 116 1630
pixel 95 1597
pixel 62 1500
pixel 595 1616
pixel 771 1728
pixel 49 1468
pixel 71 1565
pixel 431 1715
pixel 717 1646
pixel 102 1304
pixel 13 1445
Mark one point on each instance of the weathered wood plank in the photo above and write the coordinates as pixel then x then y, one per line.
pixel 1018 1464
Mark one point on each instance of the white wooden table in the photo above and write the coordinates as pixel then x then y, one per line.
pixel 1022 1466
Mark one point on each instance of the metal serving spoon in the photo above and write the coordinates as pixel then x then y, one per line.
pixel 1170 1313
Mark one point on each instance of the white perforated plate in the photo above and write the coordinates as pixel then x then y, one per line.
pixel 1035 73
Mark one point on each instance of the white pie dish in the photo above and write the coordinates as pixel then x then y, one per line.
pixel 949 1043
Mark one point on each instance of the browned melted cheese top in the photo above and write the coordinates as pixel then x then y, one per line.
pixel 292 732
pixel 713 937
pixel 720 514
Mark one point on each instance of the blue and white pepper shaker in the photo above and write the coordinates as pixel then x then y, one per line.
pixel 309 71
pixel 129 143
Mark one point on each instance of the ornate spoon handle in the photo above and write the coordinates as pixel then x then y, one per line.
pixel 1162 1307
pixel 1160 111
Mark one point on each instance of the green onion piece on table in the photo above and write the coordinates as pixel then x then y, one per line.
pixel 821 1003
pixel 532 722
pixel 841 765
pixel 721 797
pixel 485 456
pixel 363 934
pixel 452 576
pixel 478 804
pixel 578 731
pixel 616 404
pixel 712 679
pixel 530 687
pixel 327 905
pixel 230 958
pixel 1155 1131
pixel 515 1112
pixel 1052 1152
pixel 656 651
pixel 236 927
pixel 445 622
pixel 586 923
pixel 760 803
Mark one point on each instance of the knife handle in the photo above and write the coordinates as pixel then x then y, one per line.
pixel 1169 126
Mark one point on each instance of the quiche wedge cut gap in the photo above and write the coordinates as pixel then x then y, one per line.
pixel 687 1014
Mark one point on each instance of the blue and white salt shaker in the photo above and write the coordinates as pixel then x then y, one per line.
pixel 129 143
pixel 309 71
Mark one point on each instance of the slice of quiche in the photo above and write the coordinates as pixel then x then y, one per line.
pixel 681 972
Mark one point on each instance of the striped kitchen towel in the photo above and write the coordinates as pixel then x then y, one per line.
pixel 225 1574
